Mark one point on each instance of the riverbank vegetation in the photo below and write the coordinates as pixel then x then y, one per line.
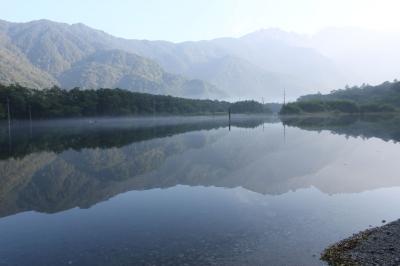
pixel 249 107
pixel 334 106
pixel 383 98
pixel 59 103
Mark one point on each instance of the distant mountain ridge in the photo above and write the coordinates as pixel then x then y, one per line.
pixel 260 64
pixel 43 54
pixel 278 63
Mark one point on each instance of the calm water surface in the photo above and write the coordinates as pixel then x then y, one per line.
pixel 195 191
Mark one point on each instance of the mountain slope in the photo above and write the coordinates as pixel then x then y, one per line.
pixel 116 68
pixel 54 47
pixel 44 53
pixel 258 64
pixel 244 79
pixel 301 68
pixel 15 67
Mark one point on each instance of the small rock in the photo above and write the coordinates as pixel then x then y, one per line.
pixel 383 221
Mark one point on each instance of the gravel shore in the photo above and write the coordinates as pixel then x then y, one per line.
pixel 377 246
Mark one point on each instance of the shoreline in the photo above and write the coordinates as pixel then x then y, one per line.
pixel 375 246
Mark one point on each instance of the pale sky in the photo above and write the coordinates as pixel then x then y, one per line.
pixel 182 20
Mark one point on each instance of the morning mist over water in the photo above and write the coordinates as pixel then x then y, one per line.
pixel 243 195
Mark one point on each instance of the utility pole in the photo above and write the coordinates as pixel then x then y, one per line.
pixel 284 96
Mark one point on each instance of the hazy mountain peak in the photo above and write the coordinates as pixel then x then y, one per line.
pixel 276 35
pixel 259 63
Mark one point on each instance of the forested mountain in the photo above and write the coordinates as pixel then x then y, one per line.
pixel 253 66
pixel 265 63
pixel 16 67
pixel 116 68
pixel 244 79
pixel 42 54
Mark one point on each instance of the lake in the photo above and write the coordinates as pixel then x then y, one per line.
pixel 193 190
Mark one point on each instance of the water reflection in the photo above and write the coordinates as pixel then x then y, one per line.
pixel 65 164
pixel 385 127
pixel 61 168
pixel 60 135
pixel 262 189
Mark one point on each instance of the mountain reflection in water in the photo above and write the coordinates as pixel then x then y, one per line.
pixel 248 171
pixel 60 167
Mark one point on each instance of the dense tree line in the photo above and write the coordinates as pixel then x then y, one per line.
pixel 365 99
pixel 334 106
pixel 59 103
pixel 250 107
pixel 386 93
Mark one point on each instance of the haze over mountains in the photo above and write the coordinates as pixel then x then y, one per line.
pixel 261 64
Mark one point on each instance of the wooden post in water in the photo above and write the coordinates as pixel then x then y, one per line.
pixel 154 107
pixel 9 123
pixel 229 115
pixel 284 133
pixel 30 119
pixel 30 112
pixel 8 113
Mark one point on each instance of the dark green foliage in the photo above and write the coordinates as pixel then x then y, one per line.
pixel 312 106
pixel 384 98
pixel 250 107
pixel 58 103
pixel 2 111
pixel 290 109
pixel 377 108
pixel 316 106
pixel 342 106
pixel 387 93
